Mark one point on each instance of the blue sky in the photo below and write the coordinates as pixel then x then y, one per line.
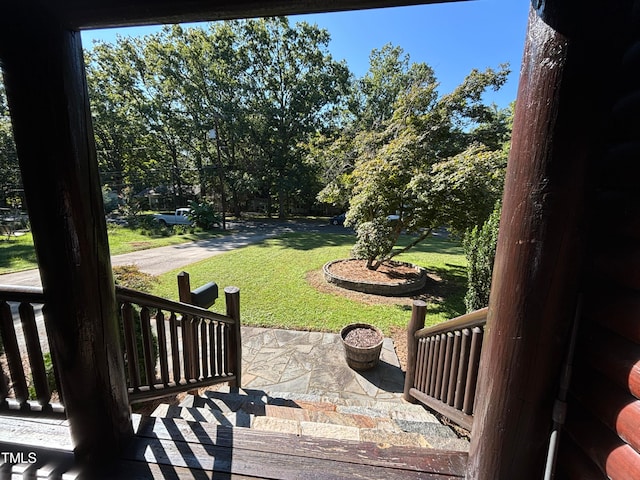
pixel 453 38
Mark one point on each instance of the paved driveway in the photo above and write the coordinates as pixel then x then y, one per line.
pixel 156 261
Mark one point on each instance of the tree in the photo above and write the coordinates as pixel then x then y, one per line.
pixel 130 151
pixel 429 161
pixel 9 168
pixel 262 86
pixel 294 82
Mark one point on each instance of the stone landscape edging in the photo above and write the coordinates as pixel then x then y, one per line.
pixel 377 288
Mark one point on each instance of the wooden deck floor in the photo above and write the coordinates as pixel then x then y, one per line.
pixel 176 449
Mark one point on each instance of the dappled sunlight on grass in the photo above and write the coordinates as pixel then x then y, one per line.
pixel 275 291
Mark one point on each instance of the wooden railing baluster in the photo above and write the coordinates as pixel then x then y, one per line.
pixel 162 347
pixel 204 353
pixel 12 353
pixel 418 375
pixel 34 351
pixel 448 353
pixel 472 376
pixel 147 348
pixel 175 349
pixel 463 369
pixel 440 367
pixel 195 352
pixel 227 357
pixel 433 374
pixel 54 360
pixel 455 364
pixel 447 358
pixel 130 345
pixel 220 348
pixel 187 338
pixel 425 368
pixel 212 347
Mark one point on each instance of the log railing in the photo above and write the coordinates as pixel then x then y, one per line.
pixel 442 363
pixel 25 384
pixel 169 347
pixel 173 347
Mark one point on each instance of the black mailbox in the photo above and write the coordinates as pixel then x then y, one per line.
pixel 205 296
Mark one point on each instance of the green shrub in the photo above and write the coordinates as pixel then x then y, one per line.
pixel 130 276
pixel 148 225
pixel 183 229
pixel 480 248
pixel 374 241
pixel 110 199
pixel 203 215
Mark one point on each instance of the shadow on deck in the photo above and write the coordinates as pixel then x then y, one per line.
pixel 177 449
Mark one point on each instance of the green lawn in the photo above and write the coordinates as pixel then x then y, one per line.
pixel 272 278
pixel 275 293
pixel 18 254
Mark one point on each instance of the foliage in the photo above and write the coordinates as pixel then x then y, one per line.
pixel 262 86
pixel 130 276
pixel 148 225
pixel 9 169
pixel 110 199
pixel 203 215
pixel 480 249
pixel 374 240
pixel 418 158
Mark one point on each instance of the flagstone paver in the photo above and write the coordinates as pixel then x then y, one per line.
pixel 314 363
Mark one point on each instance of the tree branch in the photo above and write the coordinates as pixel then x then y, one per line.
pixel 410 246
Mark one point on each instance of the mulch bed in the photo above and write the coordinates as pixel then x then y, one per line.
pixel 388 272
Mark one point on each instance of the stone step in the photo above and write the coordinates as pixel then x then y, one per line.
pixel 309 401
pixel 384 423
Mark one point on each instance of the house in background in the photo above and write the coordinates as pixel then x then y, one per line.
pixel 567 273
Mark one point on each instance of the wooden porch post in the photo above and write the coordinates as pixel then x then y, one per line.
pixel 418 317
pixel 46 88
pixel 563 98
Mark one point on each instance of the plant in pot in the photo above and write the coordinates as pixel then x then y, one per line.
pixel 362 345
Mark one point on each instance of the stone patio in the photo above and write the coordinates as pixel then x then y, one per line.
pixel 313 363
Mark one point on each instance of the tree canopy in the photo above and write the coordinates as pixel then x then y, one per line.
pixel 414 160
pixel 228 108
pixel 257 114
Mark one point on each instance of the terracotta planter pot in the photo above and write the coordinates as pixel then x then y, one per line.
pixel 361 358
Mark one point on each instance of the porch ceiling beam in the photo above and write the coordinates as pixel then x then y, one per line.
pixel 82 14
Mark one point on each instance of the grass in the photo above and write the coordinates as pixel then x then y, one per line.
pixel 275 293
pixel 18 253
pixel 272 278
